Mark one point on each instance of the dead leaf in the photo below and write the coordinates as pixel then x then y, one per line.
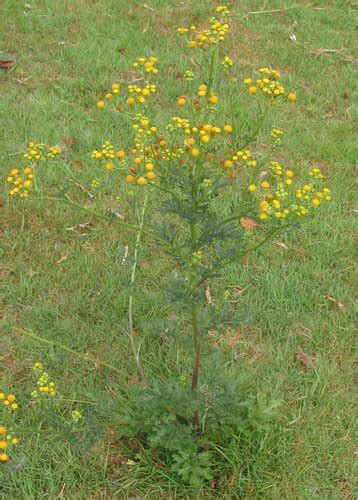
pixel 237 291
pixel 78 164
pixel 22 80
pixel 83 188
pixel 244 261
pixel 145 264
pixel 72 29
pixel 208 295
pixel 305 360
pixel 28 6
pixel 116 214
pixel 133 379
pixel 336 302
pixel 325 52
pixel 86 225
pixel 294 421
pixel 124 258
pixel 352 60
pixel 83 225
pixel 281 245
pixel 62 259
pixel 122 50
pixel 345 95
pixel 6 64
pixel 247 223
pixel 70 140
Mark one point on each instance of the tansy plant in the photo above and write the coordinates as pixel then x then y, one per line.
pixel 57 414
pixel 190 166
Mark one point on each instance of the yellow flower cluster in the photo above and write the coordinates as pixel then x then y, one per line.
pixel 188 75
pixel 134 93
pixel 270 85
pixel 46 387
pixel 237 159
pixel 76 415
pixel 147 64
pixel 227 62
pixel 6 442
pixel 197 136
pixel 34 152
pixel 9 401
pixel 211 97
pixel 278 198
pixel 276 134
pixel 21 182
pixel 223 10
pixel 142 127
pixel 109 95
pixel 141 162
pixel 54 151
pixel 141 93
pixel 105 155
pixel 213 34
pixel 38 151
pixel 180 124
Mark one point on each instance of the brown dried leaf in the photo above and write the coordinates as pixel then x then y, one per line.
pixel 336 302
pixel 124 258
pixel 6 64
pixel 63 258
pixel 305 360
pixel 208 295
pixel 281 245
pixel 83 225
pixel 247 223
pixel 133 379
pixel 72 29
pixel 116 214
pixel 237 291
pixel 78 164
pixel 22 80
pixel 70 140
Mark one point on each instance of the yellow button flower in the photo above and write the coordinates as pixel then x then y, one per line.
pixel 141 181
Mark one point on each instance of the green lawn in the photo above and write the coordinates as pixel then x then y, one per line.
pixel 71 286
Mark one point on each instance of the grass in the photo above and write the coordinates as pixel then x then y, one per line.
pixel 73 289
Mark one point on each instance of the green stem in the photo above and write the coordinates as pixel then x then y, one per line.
pixel 213 66
pixel 99 216
pixel 194 314
pixel 256 131
pixel 131 297
pixel 84 357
